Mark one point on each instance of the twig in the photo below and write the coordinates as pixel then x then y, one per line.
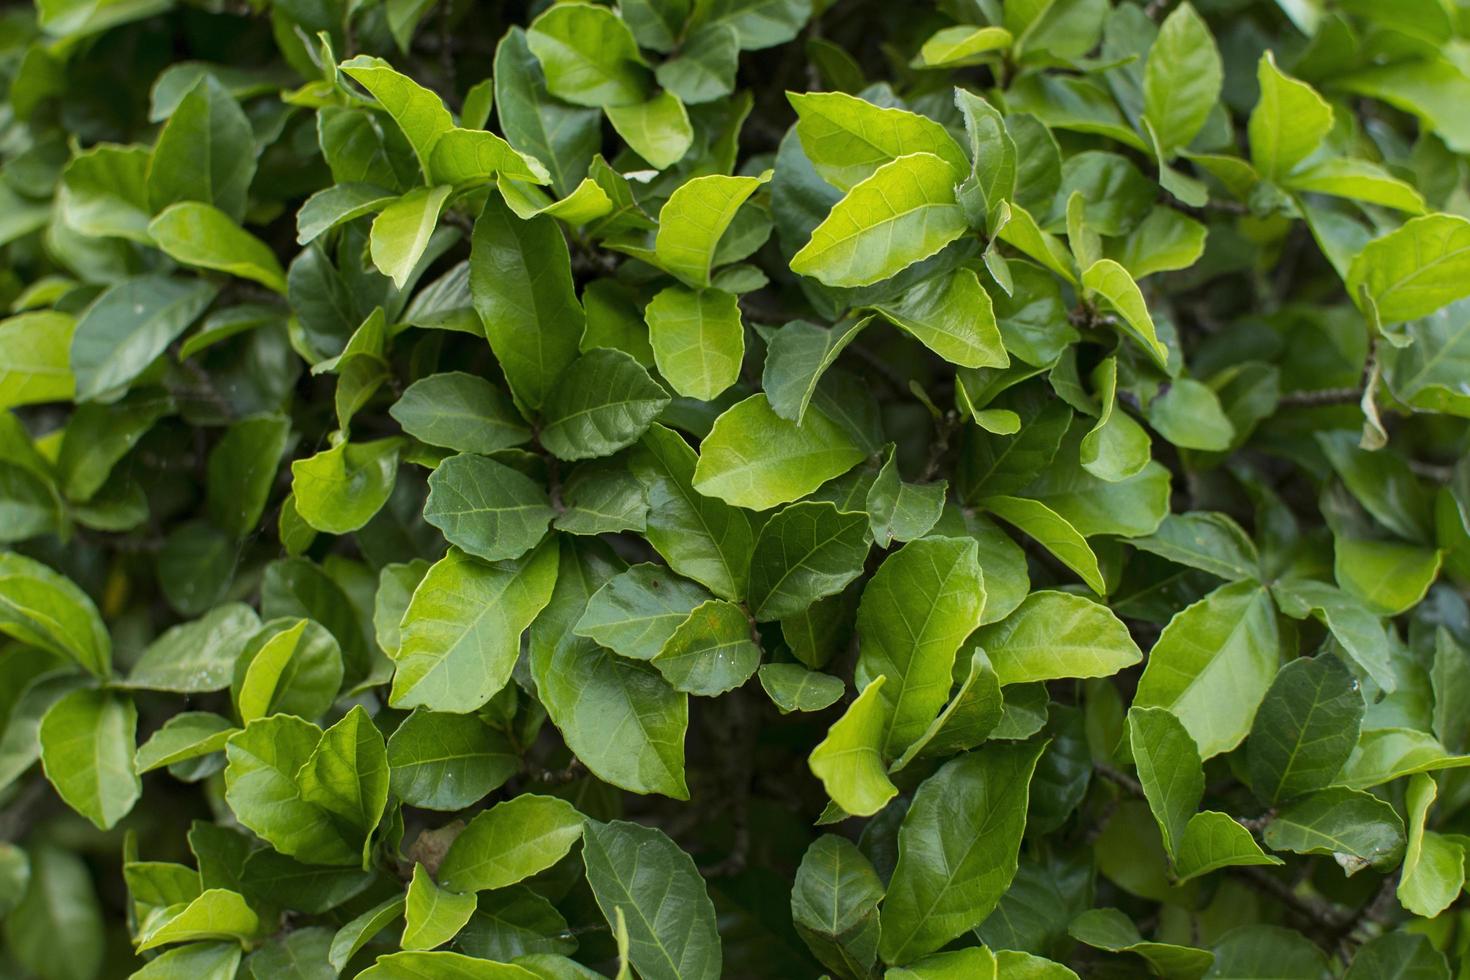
pixel 1119 778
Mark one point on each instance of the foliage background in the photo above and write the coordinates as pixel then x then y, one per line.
pixel 488 493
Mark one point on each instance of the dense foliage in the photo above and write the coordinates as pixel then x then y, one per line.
pixel 734 488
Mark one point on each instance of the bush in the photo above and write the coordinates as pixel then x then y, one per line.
pixel 684 489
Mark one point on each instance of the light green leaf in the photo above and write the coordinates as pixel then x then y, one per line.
pixel 461 632
pixel 1053 635
pixel 419 113
pixel 1351 623
pixel 521 280
pixel 562 137
pixel 700 537
pixel 1214 840
pixel 849 761
pixel 1110 929
pixel 658 130
pixel 704 68
pixel 187 735
pixel 1182 78
pixel 203 236
pixel 694 219
pixel 1388 576
pixel 360 931
pixel 44 608
pixel 462 412
pixel 339 489
pixel 804 552
pixel 401 231
pixel 432 915
pixel 1289 122
pixel 1415 270
pixel 1205 540
pixel 1054 533
pixel 337 205
pixel 904 212
pixel 638 873
pixel 1358 180
pixel 917 609
pixel 759 23
pixel 847 139
pixel 1213 664
pixel 1116 447
pixel 961 45
pixel 604 402
pixel 1113 283
pixel 698 339
pixel 1170 771
pixel 487 508
pixel 469 156
pixel 957 849
pixel 753 458
pixel 217 913
pixel 35 358
pixel 971 715
pixel 441 965
pixel 711 651
pixel 951 315
pixel 116 339
pixel 1433 874
pixel 509 842
pixel 1386 754
pixel 104 192
pixel 290 666
pixel 589 56
pixel 1305 729
pixel 1190 416
pixel 87 741
pixel 899 511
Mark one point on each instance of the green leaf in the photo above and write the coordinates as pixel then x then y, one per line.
pixel 1053 635
pixel 1398 954
pixel 604 402
pixel 957 850
pixel 121 333
pixel 1415 270
pixel 242 472
pixel 904 212
pixel 461 632
pixel 1214 840
pixel 43 608
pixel 1357 180
pixel 1213 664
pixel 1182 78
pixel 521 280
pixel 562 137
pixel 1189 415
pixel 638 873
pixel 509 842
pixel 970 716
pixel 347 773
pixel 104 192
pixel 1169 769
pixel 203 236
pixel 419 113
pixel 262 791
pixel 1054 533
pixel 440 761
pixel 899 511
pixel 340 489
pixel 469 156
pixel 441 965
pixel 951 315
pixel 486 508
pixel 289 666
pixel 698 339
pixel 432 915
pixel 1357 829
pixel 217 913
pixel 1433 874
pixel 961 45
pixel 849 761
pixel 87 741
pixel 1385 754
pixel 1351 623
pixel 917 609
pixel 753 458
pixel 797 357
pixel 1389 577
pixel 205 153
pixel 636 612
pixel 847 139
pixel 589 56
pixel 804 552
pixel 1116 447
pixel 196 961
pixel 462 412
pixel 1110 929
pixel 704 69
pixel 1205 540
pixel 699 536
pixel 694 219
pixel 1113 283
pixel 186 735
pixel 759 23
pixel 337 205
pixel 359 931
pixel 711 651
pixel 792 687
pixel 658 130
pixel 834 905
pixel 1305 729
pixel 35 352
